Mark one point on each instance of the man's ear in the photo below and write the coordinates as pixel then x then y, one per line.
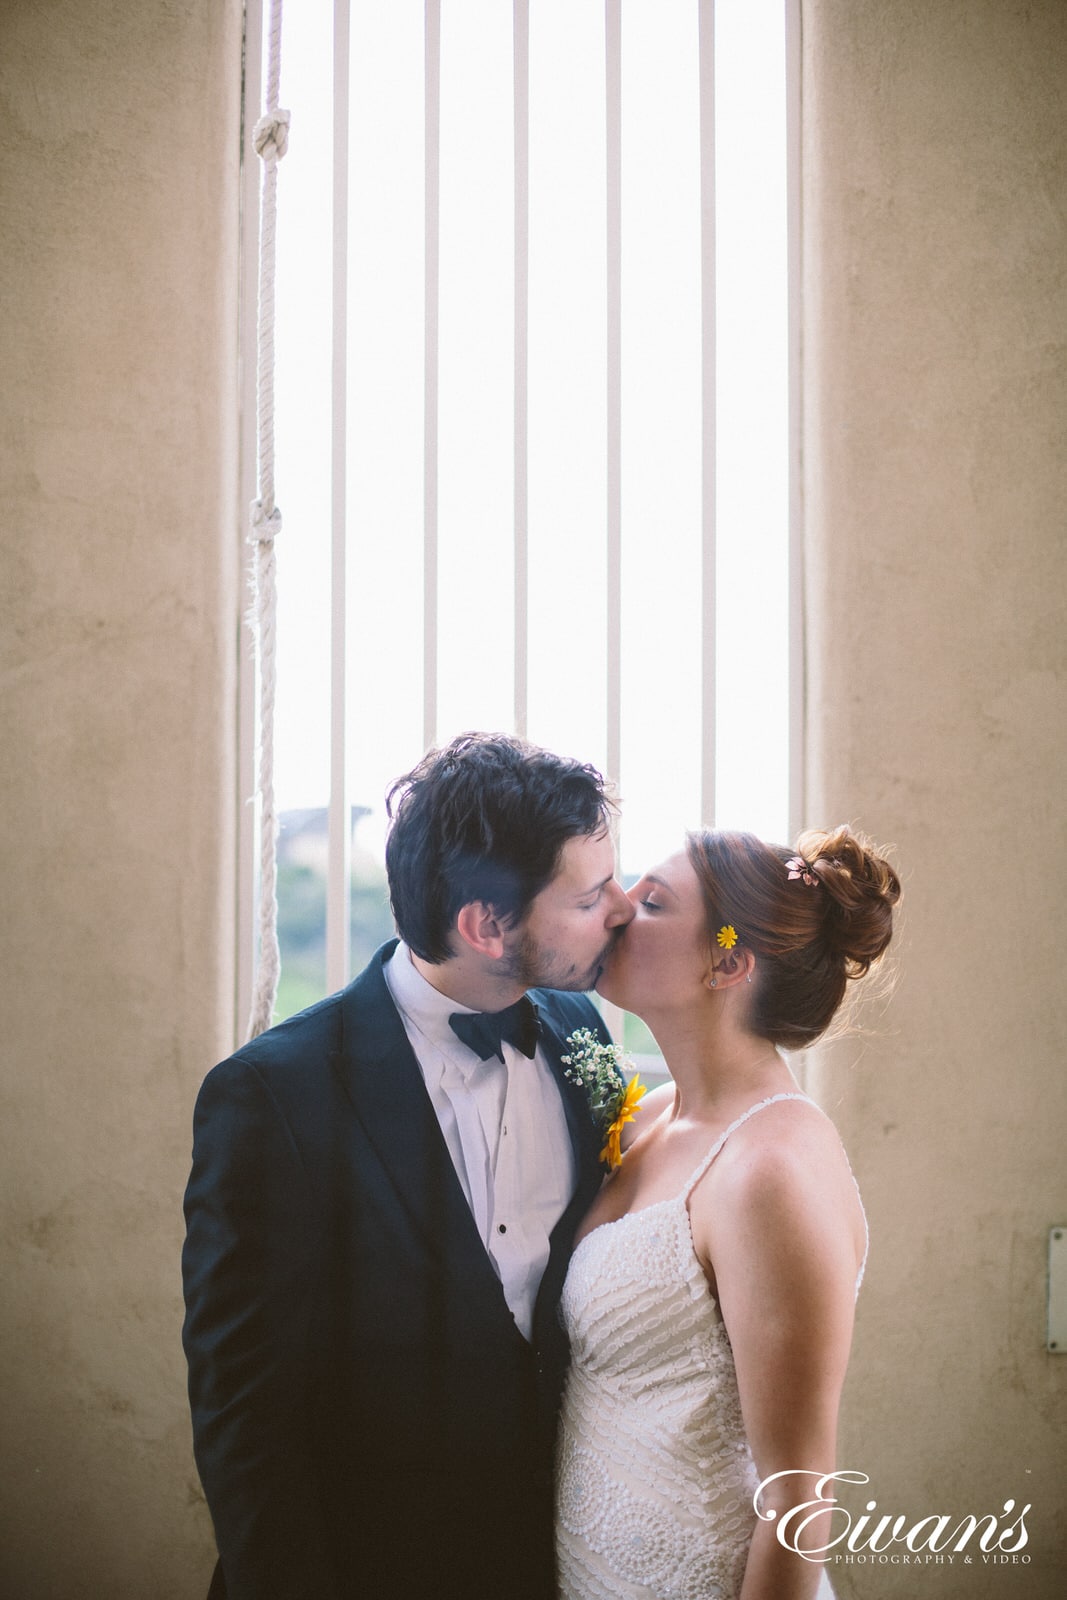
pixel 480 928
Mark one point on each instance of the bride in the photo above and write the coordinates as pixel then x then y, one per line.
pixel 709 1301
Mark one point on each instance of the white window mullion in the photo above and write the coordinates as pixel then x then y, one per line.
pixel 339 850
pixel 521 48
pixel 613 1016
pixel 247 816
pixel 432 93
pixel 613 109
pixel 707 722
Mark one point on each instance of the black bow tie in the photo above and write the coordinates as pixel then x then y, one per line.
pixel 485 1031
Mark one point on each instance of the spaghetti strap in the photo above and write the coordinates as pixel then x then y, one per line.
pixel 721 1140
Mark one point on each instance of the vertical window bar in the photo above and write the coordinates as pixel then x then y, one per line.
pixel 613 284
pixel 432 276
pixel 797 667
pixel 707 383
pixel 521 46
pixel 339 848
pixel 613 85
pixel 248 822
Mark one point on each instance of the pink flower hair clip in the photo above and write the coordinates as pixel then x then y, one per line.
pixel 799 868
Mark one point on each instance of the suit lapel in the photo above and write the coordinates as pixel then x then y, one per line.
pixel 382 1080
pixel 584 1136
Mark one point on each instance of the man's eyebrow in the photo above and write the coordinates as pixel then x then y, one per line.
pixel 582 893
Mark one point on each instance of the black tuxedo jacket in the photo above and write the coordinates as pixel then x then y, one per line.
pixel 368 1420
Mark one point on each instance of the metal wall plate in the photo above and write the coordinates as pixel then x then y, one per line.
pixel 1057 1290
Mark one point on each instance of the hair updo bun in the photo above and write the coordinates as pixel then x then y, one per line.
pixel 814 918
pixel 861 890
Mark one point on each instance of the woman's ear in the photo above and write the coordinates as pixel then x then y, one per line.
pixel 729 967
pixel 479 927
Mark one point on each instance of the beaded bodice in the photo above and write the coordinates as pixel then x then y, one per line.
pixel 655 1477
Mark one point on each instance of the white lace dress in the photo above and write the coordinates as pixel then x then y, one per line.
pixel 655 1477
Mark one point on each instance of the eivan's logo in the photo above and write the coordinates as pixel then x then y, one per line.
pixel 928 1536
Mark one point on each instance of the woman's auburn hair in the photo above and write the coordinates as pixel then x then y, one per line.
pixel 809 939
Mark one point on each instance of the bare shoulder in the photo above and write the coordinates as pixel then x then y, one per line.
pixel 784 1170
pixel 786 1142
pixel 652 1105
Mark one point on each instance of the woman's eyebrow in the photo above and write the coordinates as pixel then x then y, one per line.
pixel 651 876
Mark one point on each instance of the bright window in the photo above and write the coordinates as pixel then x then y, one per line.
pixel 567 454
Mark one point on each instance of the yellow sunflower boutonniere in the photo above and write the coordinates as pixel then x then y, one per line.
pixel 598 1069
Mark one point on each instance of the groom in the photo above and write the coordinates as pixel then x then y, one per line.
pixel 382 1201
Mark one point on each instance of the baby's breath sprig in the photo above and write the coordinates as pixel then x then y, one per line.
pixel 598 1069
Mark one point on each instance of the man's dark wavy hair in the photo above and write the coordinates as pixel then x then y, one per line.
pixel 485 819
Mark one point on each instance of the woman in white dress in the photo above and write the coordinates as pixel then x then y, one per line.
pixel 710 1297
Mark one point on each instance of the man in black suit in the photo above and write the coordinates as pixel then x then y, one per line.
pixel 383 1197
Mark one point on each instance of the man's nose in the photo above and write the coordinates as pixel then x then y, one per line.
pixel 621 910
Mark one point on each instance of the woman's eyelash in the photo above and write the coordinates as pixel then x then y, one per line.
pixel 650 905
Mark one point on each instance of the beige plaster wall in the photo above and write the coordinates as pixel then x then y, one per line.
pixel 935 302
pixel 119 142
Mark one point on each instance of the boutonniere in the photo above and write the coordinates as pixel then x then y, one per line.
pixel 598 1069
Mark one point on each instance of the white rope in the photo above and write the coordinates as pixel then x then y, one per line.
pixel 271 138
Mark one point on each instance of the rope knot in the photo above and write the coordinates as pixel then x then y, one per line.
pixel 271 133
pixel 266 525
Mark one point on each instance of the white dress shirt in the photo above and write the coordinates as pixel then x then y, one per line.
pixel 505 1129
